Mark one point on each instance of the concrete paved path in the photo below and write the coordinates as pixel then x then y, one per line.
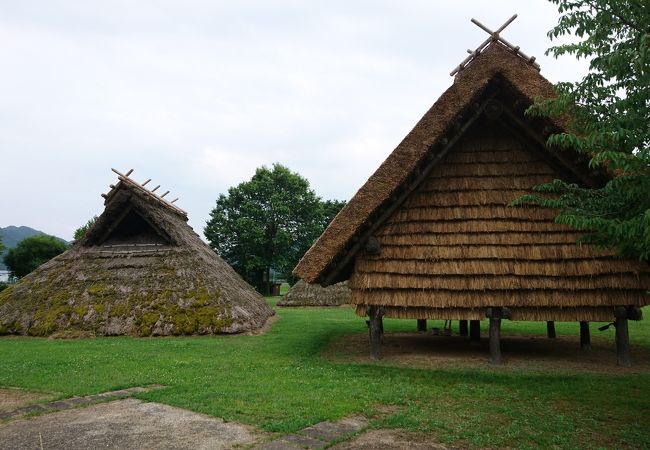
pixel 318 436
pixel 124 424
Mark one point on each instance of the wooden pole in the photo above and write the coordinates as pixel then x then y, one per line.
pixel 422 325
pixel 622 338
pixel 550 329
pixel 495 340
pixel 375 330
pixel 462 327
pixel 585 338
pixel 475 330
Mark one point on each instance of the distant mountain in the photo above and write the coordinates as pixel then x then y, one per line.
pixel 12 235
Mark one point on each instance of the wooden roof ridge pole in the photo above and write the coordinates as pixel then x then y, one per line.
pixel 495 36
pixel 125 178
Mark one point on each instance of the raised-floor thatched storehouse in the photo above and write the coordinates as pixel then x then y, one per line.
pixel 305 294
pixel 139 270
pixel 430 235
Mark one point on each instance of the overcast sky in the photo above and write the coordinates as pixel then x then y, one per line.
pixel 197 94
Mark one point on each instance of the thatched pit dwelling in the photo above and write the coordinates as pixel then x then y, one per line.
pixel 140 270
pixel 305 294
pixel 430 235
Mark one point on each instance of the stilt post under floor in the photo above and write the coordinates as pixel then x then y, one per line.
pixel 496 314
pixel 462 327
pixel 585 337
pixel 622 338
pixel 475 330
pixel 375 329
pixel 422 325
pixel 550 329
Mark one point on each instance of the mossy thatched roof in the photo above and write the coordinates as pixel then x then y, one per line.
pixel 139 270
pixel 305 294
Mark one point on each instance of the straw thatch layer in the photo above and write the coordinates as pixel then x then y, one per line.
pixel 484 298
pixel 500 183
pixel 587 314
pixel 557 269
pixel 304 294
pixel 364 281
pixel 491 238
pixel 140 270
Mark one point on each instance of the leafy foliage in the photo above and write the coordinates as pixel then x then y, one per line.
pixel 609 112
pixel 2 245
pixel 81 231
pixel 268 223
pixel 31 252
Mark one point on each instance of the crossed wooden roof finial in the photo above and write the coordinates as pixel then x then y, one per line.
pixel 494 37
pixel 124 177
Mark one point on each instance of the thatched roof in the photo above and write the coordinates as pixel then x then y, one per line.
pixel 305 294
pixel 429 235
pixel 139 270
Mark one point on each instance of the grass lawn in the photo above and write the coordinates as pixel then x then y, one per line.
pixel 281 382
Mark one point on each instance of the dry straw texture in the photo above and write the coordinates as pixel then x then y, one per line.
pixel 163 280
pixel 429 259
pixel 589 314
pixel 304 294
pixel 454 247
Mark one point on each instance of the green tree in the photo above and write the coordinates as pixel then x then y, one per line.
pixel 2 245
pixel 267 223
pixel 81 231
pixel 31 252
pixel 609 111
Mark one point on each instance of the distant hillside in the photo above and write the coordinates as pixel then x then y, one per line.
pixel 12 235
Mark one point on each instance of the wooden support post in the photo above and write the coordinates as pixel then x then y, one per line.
pixel 462 327
pixel 585 338
pixel 550 329
pixel 495 339
pixel 375 329
pixel 422 325
pixel 622 338
pixel 475 330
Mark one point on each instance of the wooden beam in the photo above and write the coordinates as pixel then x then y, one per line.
pixel 125 179
pixel 623 358
pixel 375 329
pixel 495 340
pixel 475 330
pixel 422 325
pixel 528 132
pixel 585 338
pixel 462 327
pixel 550 329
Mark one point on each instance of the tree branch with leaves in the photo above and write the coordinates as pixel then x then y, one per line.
pixel 268 223
pixel 609 111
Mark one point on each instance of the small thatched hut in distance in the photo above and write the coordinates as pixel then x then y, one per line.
pixel 305 294
pixel 430 235
pixel 139 270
